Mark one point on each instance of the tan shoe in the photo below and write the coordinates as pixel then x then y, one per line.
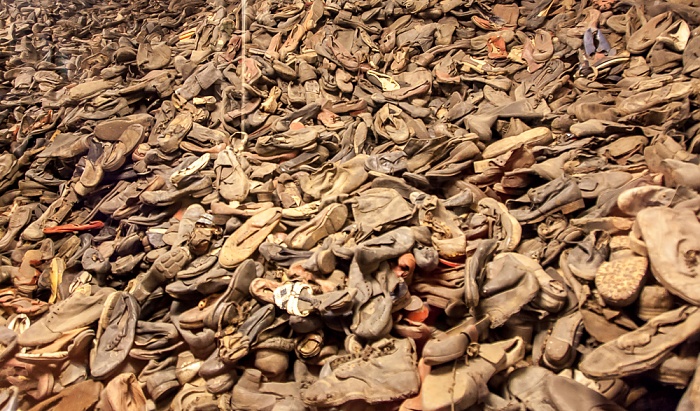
pixel 248 237
pixel 672 239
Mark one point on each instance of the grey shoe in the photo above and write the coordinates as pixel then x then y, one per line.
pixel 80 309
pixel 387 373
pixel 560 195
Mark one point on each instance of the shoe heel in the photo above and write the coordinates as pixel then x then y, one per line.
pixel 571 207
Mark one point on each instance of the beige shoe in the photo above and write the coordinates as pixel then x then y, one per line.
pixel 248 237
pixel 123 393
pixel 672 239
pixel 329 221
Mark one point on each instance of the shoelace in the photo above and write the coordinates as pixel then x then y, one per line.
pixel 367 353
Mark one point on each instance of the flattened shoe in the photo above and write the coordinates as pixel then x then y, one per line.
pixel 540 389
pixel 81 309
pixel 329 221
pixel 248 237
pixel 560 195
pixel 389 373
pixel 116 334
pixel 78 397
pixel 642 39
pixel 644 348
pixel 672 239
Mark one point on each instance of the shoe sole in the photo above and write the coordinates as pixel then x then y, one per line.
pixel 620 281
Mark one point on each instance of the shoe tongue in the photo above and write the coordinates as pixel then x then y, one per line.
pixel 82 290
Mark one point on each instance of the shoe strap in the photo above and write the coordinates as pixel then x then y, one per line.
pixel 287 297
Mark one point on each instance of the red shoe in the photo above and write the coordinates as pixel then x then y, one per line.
pixel 68 228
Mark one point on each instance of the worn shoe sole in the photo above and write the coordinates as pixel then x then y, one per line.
pixel 620 281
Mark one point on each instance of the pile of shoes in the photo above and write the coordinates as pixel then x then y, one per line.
pixel 349 204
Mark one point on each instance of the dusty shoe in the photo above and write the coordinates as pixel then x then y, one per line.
pixel 197 188
pixel 250 393
pixel 81 309
pixel 453 343
pixel 584 259
pixel 510 283
pixel 647 35
pixel 117 331
pixel 192 397
pixel 507 229
pixel 654 300
pixel 388 373
pixel 81 396
pixel 559 347
pixel 620 281
pixel 122 393
pixel 672 239
pixel 539 136
pixel 634 200
pixel 642 349
pixel 248 237
pixel 231 181
pixel 463 384
pixel 161 272
pixel 379 208
pixel 447 235
pixel 560 195
pixel 329 221
pixel 540 389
